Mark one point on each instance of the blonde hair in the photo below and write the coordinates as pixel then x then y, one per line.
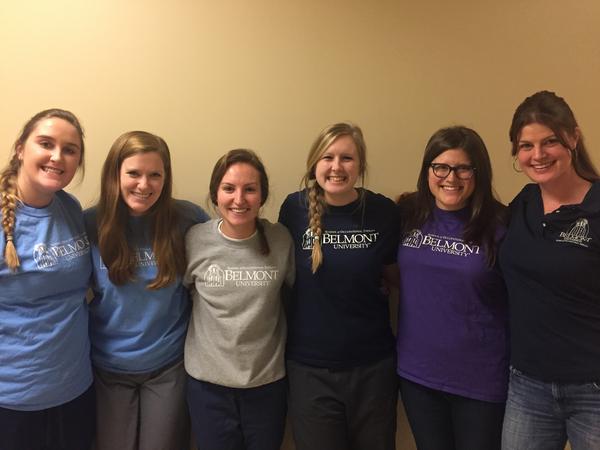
pixel 316 200
pixel 8 179
pixel 112 215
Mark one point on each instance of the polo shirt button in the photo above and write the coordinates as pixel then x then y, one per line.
pixel 543 224
pixel 558 210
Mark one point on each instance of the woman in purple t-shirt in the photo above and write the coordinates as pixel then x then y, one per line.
pixel 452 325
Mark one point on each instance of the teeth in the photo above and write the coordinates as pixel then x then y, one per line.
pixel 541 166
pixel 139 195
pixel 451 188
pixel 238 210
pixel 337 178
pixel 52 170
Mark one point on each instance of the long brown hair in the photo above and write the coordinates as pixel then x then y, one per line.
pixel 242 156
pixel 8 178
pixel 486 212
pixel 316 199
pixel 113 215
pixel 552 111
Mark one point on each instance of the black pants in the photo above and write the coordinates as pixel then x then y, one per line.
pixel 69 426
pixel 442 421
pixel 352 409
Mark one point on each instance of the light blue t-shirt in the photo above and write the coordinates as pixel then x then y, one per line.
pixel 134 329
pixel 44 345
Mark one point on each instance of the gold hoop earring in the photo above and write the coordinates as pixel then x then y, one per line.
pixel 515 165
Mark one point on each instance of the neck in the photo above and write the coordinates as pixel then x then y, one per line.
pixel 568 191
pixel 32 197
pixel 341 200
pixel 237 232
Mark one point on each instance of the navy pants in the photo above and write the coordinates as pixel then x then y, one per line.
pixel 225 418
pixel 69 426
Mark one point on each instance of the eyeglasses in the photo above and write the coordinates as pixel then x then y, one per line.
pixel 462 172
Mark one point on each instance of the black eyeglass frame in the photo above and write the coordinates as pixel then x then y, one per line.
pixel 447 167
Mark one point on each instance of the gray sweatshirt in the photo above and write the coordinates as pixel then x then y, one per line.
pixel 236 336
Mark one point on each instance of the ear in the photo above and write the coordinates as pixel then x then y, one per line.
pixel 574 139
pixel 19 152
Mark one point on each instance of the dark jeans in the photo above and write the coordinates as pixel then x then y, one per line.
pixel 541 416
pixel 443 421
pixel 69 426
pixel 225 418
pixel 351 409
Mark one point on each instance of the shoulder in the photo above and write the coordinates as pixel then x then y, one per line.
pixel 529 192
pixel 90 217
pixel 295 200
pixel 276 230
pixel 378 200
pixel 67 200
pixel 190 213
pixel 202 230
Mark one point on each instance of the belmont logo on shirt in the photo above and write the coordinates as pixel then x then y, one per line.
pixel 215 276
pixel 441 244
pixel 578 234
pixel 143 256
pixel 49 255
pixel 341 239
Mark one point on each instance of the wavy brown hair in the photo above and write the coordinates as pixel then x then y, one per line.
pixel 8 178
pixel 316 199
pixel 552 111
pixel 113 215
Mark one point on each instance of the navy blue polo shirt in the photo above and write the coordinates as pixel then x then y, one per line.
pixel 551 265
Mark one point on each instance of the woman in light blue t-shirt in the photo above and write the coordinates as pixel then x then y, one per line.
pixel 46 398
pixel 140 309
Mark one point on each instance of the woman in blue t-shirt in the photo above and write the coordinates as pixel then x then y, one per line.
pixel 452 339
pixel 46 397
pixel 340 350
pixel 550 260
pixel 140 309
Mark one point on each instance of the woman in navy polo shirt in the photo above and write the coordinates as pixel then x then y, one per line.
pixel 550 259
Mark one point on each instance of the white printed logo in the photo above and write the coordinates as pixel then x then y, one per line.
pixel 213 277
pixel 307 239
pixel 341 239
pixel 578 234
pixel 49 255
pixel 240 276
pixel 413 239
pixel 42 257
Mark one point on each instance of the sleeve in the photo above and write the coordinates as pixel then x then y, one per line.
pixel 393 233
pixel 284 213
pixel 290 276
pixel 192 257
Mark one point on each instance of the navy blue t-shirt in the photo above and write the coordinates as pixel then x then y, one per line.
pixel 551 266
pixel 339 316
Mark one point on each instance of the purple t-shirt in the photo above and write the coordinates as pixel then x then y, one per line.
pixel 452 319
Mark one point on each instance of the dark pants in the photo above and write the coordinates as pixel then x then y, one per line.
pixel 351 409
pixel 225 418
pixel 69 426
pixel 442 421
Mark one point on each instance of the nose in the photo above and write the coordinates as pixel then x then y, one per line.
pixel 335 163
pixel 538 151
pixel 142 182
pixel 56 154
pixel 238 196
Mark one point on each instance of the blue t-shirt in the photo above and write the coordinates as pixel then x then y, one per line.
pixel 339 316
pixel 44 345
pixel 134 329
pixel 452 315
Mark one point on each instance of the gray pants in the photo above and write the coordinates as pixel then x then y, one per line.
pixel 350 409
pixel 142 411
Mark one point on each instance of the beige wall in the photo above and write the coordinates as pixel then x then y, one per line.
pixel 211 76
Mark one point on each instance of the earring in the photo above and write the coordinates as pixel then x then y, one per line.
pixel 516 166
